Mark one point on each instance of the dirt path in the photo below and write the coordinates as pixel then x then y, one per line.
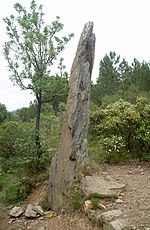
pixel 136 197
pixel 135 205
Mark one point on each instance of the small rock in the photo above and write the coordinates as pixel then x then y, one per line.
pixel 118 225
pixel 101 206
pixel 49 212
pixel 41 218
pixel 30 213
pixel 119 201
pixel 88 205
pixel 16 212
pixel 110 215
pixel 11 221
pixel 38 209
pixel 130 172
pixel 25 223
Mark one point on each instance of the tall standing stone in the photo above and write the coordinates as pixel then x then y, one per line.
pixel 72 152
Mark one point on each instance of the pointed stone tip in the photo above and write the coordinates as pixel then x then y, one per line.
pixel 88 27
pixel 87 30
pixel 89 24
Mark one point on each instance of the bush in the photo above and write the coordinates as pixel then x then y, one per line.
pixel 16 190
pixel 122 129
pixel 18 156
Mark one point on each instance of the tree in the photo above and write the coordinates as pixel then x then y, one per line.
pixel 26 114
pixel 109 77
pixel 31 50
pixel 56 88
pixel 141 75
pixel 3 113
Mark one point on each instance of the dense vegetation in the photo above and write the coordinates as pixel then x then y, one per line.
pixel 119 112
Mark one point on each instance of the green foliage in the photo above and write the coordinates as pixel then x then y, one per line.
pixel 95 201
pixel 32 46
pixel 20 168
pixel 122 129
pixel 50 131
pixel 2 183
pixel 119 80
pixel 108 74
pixel 45 204
pixel 16 139
pixel 15 190
pixel 3 113
pixel 26 114
pixel 76 199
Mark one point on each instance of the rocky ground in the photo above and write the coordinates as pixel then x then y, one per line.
pixel 134 202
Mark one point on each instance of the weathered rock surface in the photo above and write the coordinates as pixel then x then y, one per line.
pixel 119 225
pixel 30 213
pixel 112 219
pixel 104 186
pixel 110 215
pixel 38 209
pixel 16 212
pixel 72 153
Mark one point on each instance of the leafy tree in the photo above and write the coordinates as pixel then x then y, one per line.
pixel 31 50
pixel 27 114
pixel 96 94
pixel 140 75
pixel 108 79
pixel 3 113
pixel 56 89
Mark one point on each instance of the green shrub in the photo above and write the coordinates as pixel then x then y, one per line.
pixel 122 129
pixel 15 190
pixel 45 204
pixel 18 159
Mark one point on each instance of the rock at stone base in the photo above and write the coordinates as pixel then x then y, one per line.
pixel 30 213
pixel 119 201
pixel 104 186
pixel 101 206
pixel 38 209
pixel 110 215
pixel 88 205
pixel 16 212
pixel 119 225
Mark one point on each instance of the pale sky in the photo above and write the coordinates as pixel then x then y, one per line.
pixel 122 26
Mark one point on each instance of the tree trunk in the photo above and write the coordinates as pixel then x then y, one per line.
pixel 55 105
pixel 38 113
